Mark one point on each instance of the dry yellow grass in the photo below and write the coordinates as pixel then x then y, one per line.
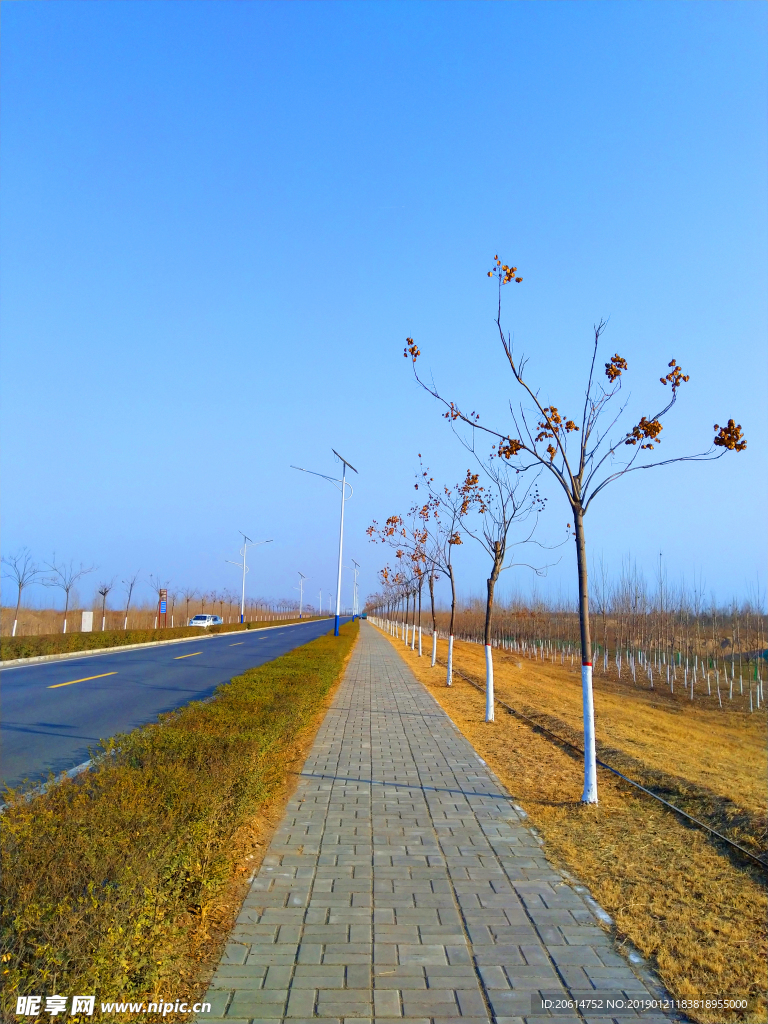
pixel 724 752
pixel 124 882
pixel 696 914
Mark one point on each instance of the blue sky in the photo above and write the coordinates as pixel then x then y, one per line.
pixel 221 220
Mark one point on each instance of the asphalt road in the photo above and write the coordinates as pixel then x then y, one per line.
pixel 53 712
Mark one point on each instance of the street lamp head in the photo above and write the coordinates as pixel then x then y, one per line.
pixel 342 459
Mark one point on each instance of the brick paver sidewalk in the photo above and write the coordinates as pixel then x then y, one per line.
pixel 403 884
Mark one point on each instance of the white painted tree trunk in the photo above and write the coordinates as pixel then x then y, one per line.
pixel 449 672
pixel 15 622
pixel 589 796
pixel 413 638
pixel 419 641
pixel 489 716
pixel 65 626
pixel 434 647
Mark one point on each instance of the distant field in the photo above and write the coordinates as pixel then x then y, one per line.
pixel 45 621
pixel 695 911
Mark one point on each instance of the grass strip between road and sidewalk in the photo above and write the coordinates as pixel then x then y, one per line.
pixel 695 913
pixel 67 643
pixel 120 883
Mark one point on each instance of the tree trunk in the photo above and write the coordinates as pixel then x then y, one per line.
pixel 16 616
pixel 589 796
pixel 449 671
pixel 489 715
pixel 434 620
pixel 421 584
pixel 491 585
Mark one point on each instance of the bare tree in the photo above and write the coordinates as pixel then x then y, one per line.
pixel 441 516
pixel 408 538
pixel 128 586
pixel 104 589
pixel 23 571
pixel 63 577
pixel 188 593
pixel 506 501
pixel 173 597
pixel 582 474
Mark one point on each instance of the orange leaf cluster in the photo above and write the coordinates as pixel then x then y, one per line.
pixel 509 448
pixel 730 437
pixel 675 377
pixel 553 424
pixel 504 273
pixel 614 368
pixel 411 349
pixel 645 430
pixel 471 493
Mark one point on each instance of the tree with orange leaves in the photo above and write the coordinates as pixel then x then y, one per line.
pixel 408 538
pixel 442 516
pixel 429 542
pixel 582 458
pixel 505 500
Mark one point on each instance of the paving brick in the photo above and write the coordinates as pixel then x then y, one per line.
pixel 471 1003
pixel 235 953
pixel 258 1004
pixel 345 1003
pixel 311 976
pixel 301 1002
pixel 359 976
pixel 429 1004
pixel 494 977
pixel 430 861
pixel 386 1003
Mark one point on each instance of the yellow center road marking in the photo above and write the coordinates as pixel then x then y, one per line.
pixel 187 655
pixel 83 680
pixel 238 644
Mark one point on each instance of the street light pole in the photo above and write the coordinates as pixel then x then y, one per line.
pixel 344 485
pixel 302 577
pixel 355 607
pixel 341 545
pixel 244 566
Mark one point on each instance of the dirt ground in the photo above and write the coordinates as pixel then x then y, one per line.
pixel 695 911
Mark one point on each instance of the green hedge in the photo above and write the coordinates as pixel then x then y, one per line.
pixel 109 879
pixel 63 643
